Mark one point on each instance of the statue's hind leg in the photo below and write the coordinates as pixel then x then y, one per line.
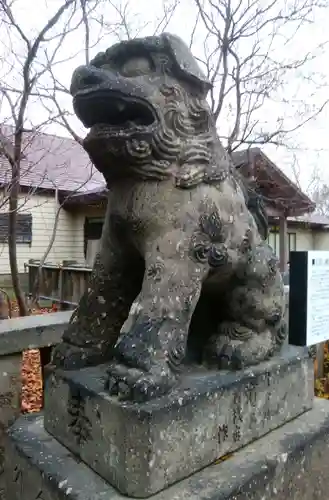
pixel 237 346
pixel 256 305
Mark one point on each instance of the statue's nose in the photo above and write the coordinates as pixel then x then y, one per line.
pixel 87 76
pixel 92 78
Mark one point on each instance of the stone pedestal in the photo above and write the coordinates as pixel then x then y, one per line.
pixel 143 448
pixel 288 463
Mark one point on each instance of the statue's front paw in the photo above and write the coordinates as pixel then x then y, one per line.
pixel 142 367
pixel 139 344
pixel 132 384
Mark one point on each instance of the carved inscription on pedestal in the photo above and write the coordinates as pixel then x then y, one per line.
pixel 79 423
pixel 262 400
pixel 18 480
pixel 222 433
pixel 237 416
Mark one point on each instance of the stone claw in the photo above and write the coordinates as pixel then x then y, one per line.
pixel 136 385
pixel 148 387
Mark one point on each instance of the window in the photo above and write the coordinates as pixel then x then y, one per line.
pixel 93 227
pixel 92 234
pixel 24 228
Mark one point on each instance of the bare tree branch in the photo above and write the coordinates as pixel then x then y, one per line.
pixel 14 155
pixel 245 57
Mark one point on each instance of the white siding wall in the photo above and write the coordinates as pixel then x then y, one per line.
pixel 321 240
pixel 304 239
pixel 69 236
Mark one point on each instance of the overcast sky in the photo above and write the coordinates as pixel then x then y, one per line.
pixel 313 150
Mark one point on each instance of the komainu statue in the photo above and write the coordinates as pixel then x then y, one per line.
pixel 184 276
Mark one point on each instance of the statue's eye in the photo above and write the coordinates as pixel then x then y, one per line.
pixel 136 66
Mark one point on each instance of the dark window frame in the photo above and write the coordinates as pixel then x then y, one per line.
pixel 93 228
pixel 24 232
pixel 292 236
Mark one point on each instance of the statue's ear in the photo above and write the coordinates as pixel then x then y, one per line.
pixel 185 62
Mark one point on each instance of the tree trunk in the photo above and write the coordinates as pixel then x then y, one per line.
pixel 38 279
pixel 13 204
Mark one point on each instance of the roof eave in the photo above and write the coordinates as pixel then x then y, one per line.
pixel 87 198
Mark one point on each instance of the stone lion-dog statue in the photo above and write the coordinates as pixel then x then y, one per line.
pixel 184 276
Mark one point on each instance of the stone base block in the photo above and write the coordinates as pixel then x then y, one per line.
pixel 290 462
pixel 143 448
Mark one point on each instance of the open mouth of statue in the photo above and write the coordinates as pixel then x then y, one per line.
pixel 106 109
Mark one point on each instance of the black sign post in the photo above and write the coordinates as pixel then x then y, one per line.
pixel 309 298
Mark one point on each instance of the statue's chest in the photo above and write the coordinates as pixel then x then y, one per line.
pixel 146 204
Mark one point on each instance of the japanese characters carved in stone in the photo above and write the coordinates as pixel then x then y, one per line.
pixel 184 276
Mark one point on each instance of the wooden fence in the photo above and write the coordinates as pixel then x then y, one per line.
pixel 62 284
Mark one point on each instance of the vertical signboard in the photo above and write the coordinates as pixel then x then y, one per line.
pixel 309 298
